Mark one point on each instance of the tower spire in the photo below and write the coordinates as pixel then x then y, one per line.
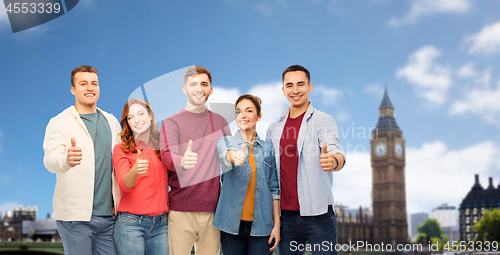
pixel 387 118
pixel 386 102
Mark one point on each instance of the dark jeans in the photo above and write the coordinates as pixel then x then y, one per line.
pixel 243 243
pixel 317 234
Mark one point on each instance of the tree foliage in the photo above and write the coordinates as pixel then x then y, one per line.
pixel 431 228
pixel 488 227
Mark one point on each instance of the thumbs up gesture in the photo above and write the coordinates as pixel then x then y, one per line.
pixel 141 165
pixel 239 156
pixel 328 163
pixel 188 161
pixel 74 156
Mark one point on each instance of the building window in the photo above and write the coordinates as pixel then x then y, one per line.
pixel 474 211
pixel 467 229
pixel 482 210
pixel 467 211
pixel 468 236
pixel 467 220
pixel 475 219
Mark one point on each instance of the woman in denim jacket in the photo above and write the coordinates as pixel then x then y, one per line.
pixel 248 210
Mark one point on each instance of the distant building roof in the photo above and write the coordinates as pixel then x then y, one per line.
pixel 478 197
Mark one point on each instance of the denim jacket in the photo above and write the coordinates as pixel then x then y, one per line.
pixel 314 186
pixel 235 181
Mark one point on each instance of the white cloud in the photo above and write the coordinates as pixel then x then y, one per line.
pixel 486 41
pixel 265 9
pixel 420 8
pixel 328 95
pixel 273 104
pixel 352 186
pixel 467 71
pixel 374 89
pixel 434 173
pixel 481 101
pixel 430 80
pixel 7 206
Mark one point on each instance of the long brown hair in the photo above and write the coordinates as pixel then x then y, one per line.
pixel 127 135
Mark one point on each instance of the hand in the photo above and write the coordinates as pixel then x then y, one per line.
pixel 74 156
pixel 328 163
pixel 239 156
pixel 275 234
pixel 188 161
pixel 141 165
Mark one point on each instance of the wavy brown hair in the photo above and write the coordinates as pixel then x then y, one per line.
pixel 127 135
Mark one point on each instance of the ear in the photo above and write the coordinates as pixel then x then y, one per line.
pixel 211 90
pixel 283 90
pixel 260 116
pixel 73 91
pixel 184 90
pixel 310 87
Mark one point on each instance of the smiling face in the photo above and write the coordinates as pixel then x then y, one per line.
pixel 86 91
pixel 138 119
pixel 197 89
pixel 246 115
pixel 296 88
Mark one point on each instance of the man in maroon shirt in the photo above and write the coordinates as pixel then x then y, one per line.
pixel 306 142
pixel 188 141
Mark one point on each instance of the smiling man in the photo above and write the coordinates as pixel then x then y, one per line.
pixel 78 145
pixel 188 140
pixel 307 148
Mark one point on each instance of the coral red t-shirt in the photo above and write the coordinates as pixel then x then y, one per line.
pixel 289 162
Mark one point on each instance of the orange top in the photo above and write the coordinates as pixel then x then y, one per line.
pixel 247 214
pixel 150 193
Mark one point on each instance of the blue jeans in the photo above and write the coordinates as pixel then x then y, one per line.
pixel 141 234
pixel 243 243
pixel 320 233
pixel 92 237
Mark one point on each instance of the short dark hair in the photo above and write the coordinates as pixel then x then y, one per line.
pixel 254 99
pixel 295 68
pixel 195 70
pixel 81 69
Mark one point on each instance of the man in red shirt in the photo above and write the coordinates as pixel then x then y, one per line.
pixel 307 149
pixel 188 148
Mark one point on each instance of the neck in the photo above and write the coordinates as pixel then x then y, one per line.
pixel 249 135
pixel 143 137
pixel 297 111
pixel 85 109
pixel 195 108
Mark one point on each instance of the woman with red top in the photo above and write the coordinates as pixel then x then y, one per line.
pixel 141 227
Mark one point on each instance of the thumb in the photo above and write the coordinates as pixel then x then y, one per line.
pixel 243 148
pixel 73 142
pixel 324 149
pixel 139 154
pixel 190 146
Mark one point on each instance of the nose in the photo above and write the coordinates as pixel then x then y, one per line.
pixel 198 88
pixel 295 89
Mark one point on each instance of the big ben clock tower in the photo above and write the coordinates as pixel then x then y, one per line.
pixel 388 176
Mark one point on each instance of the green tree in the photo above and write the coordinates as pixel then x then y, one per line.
pixel 488 227
pixel 431 228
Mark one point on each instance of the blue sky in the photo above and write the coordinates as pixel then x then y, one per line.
pixel 438 58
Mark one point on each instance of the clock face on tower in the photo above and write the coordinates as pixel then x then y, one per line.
pixel 380 149
pixel 398 149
